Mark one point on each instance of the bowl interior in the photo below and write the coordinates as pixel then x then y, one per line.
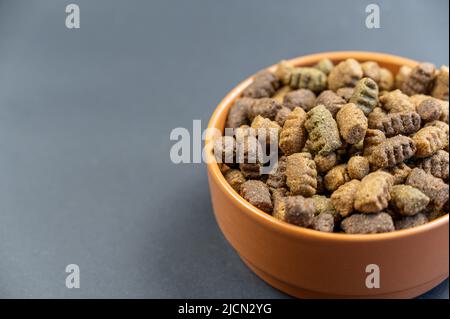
pixel 217 123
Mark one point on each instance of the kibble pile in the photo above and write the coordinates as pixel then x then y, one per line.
pixel 361 150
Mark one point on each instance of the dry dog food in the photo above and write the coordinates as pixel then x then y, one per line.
pixel 360 150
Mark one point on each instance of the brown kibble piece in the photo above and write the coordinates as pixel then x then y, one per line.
pixel 323 223
pixel 401 76
pixel 278 178
pixel 235 178
pixel 393 151
pixel 323 131
pixel 264 85
pixel 238 114
pixel 343 198
pixel 401 123
pixel 302 98
pixel 372 139
pixel 345 74
pixel 352 123
pixel 443 127
pixel 375 117
pixel 365 95
pixel 386 82
pixel 411 221
pixel 420 80
pixel 331 101
pixel 265 107
pixel 429 140
pixel 371 70
pixel 431 186
pixel 293 134
pixel 368 224
pixel 358 167
pixel 257 193
pixel 429 110
pixel 301 175
pixel 282 115
pixel 396 101
pixel 436 165
pixel 336 177
pixel 373 194
pixel 295 210
pixel 325 162
pixel 248 156
pixel 440 89
pixel 408 200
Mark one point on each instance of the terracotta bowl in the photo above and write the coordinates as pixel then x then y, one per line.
pixel 309 264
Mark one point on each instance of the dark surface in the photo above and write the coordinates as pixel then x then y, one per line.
pixel 85 118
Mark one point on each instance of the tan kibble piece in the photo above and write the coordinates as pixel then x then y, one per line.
pixel 358 167
pixel 281 93
pixel 293 134
pixel 323 131
pixel 375 117
pixel 368 224
pixel 387 81
pixel 373 194
pixel 323 223
pixel 264 84
pixel 336 177
pixel 345 74
pixel 282 115
pixel 429 140
pixel 401 123
pixel 393 151
pixel 408 200
pixel 443 127
pixel 420 80
pixel 352 123
pixel 325 162
pixel 373 138
pixel 365 95
pixel 445 112
pixel 343 198
pixel 301 77
pixel 436 165
pixel 419 98
pixel 331 101
pixel 401 76
pixel 410 221
pixel 235 178
pixel 440 89
pixel 257 193
pixel 301 175
pixel 303 98
pixel 266 128
pixel 345 93
pixel 431 186
pixel 396 101
pixel 400 172
pixel 371 70
pixel 278 178
pixel 429 110
pixel 265 107
pixel 238 114
pixel 325 65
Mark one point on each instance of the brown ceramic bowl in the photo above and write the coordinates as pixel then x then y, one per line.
pixel 309 264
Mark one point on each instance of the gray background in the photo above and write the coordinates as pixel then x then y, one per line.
pixel 85 118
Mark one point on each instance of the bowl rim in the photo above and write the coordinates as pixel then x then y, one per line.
pixel 267 219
